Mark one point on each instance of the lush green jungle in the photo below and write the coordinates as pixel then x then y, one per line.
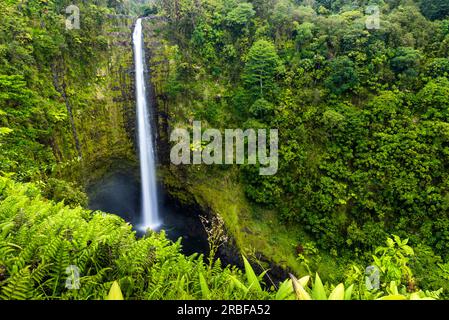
pixel 358 90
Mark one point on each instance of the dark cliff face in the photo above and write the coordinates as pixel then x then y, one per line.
pixel 156 77
pixel 102 108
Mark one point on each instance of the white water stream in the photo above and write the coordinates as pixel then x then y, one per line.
pixel 150 210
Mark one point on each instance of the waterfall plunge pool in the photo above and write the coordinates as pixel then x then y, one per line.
pixel 120 193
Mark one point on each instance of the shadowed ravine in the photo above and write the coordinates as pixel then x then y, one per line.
pixel 119 193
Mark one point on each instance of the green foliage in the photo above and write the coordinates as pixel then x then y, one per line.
pixel 115 293
pixel 262 109
pixel 18 287
pixel 261 69
pixel 429 270
pixel 241 15
pixel 361 116
pixel 41 242
pixel 406 61
pixel 60 190
pixel 436 9
pixel 432 99
pixel 393 261
pixel 53 87
pixel 391 276
pixel 318 292
pixel 393 265
pixel 204 288
pixel 251 277
pixel 343 76
pixel 438 67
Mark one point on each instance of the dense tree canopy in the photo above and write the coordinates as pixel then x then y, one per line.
pixel 361 112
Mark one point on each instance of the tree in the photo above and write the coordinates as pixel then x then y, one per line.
pixel 435 9
pixel 264 7
pixel 438 67
pixel 262 109
pixel 240 15
pixel 406 61
pixel 433 99
pixel 343 75
pixel 261 69
pixel 304 33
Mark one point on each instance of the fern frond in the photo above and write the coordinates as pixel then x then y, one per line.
pixel 18 287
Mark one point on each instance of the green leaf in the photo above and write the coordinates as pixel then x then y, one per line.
pixel 393 297
pixel 394 288
pixel 285 290
pixel 415 296
pixel 115 293
pixel 348 292
pixel 301 293
pixel 408 250
pixel 4 131
pixel 239 284
pixel 397 239
pixel 338 293
pixel 390 242
pixel 204 288
pixel 253 280
pixel 304 281
pixel 318 291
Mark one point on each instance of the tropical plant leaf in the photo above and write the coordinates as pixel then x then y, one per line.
pixel 338 293
pixel 301 293
pixel 394 297
pixel 204 288
pixel 285 290
pixel 394 288
pixel 253 280
pixel 239 284
pixel 115 293
pixel 348 292
pixel 318 291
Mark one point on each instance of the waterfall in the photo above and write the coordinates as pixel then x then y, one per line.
pixel 150 211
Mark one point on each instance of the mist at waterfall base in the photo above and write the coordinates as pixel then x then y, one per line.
pixel 120 193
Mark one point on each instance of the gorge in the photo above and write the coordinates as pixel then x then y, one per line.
pixel 360 177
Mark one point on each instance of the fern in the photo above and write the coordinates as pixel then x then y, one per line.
pixel 40 239
pixel 18 287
